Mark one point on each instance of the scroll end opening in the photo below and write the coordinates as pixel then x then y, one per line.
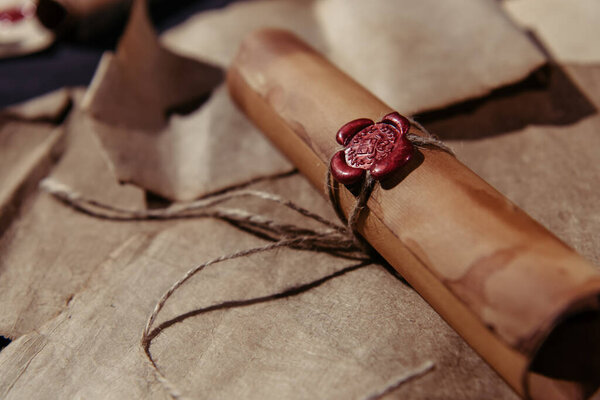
pixel 567 364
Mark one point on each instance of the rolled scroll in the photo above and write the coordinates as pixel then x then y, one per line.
pixel 524 300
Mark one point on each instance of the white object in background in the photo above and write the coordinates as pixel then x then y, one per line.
pixel 20 31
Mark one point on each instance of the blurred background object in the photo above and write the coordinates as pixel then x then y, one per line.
pixel 83 29
pixel 20 31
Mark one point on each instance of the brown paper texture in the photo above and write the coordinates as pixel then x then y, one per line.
pixel 30 142
pixel 136 103
pixel 49 252
pixel 513 275
pixel 539 148
pixel 415 56
pixel 50 107
pixel 568 29
pixel 75 290
pixel 345 338
pixel 129 107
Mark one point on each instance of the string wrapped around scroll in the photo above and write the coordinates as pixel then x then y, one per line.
pixel 526 302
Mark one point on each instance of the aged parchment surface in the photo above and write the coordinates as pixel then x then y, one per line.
pixel 569 30
pixel 166 123
pixel 414 55
pixel 75 291
pixel 539 147
pixel 392 50
pixel 31 139
pixel 315 344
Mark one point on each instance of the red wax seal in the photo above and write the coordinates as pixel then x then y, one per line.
pixel 381 148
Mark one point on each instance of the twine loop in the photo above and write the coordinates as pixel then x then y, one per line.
pixel 429 140
pixel 340 241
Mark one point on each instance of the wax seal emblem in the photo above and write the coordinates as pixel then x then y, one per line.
pixel 381 148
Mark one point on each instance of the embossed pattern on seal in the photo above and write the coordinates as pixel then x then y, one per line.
pixel 372 144
pixel 381 148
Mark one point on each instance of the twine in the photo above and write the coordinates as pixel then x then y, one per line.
pixel 332 238
pixel 329 237
pixel 339 241
pixel 430 141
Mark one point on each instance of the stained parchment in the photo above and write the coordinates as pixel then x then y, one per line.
pixel 345 337
pixel 75 291
pixel 30 142
pixel 568 29
pixel 391 50
pixel 540 149
pixel 414 55
pixel 167 123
